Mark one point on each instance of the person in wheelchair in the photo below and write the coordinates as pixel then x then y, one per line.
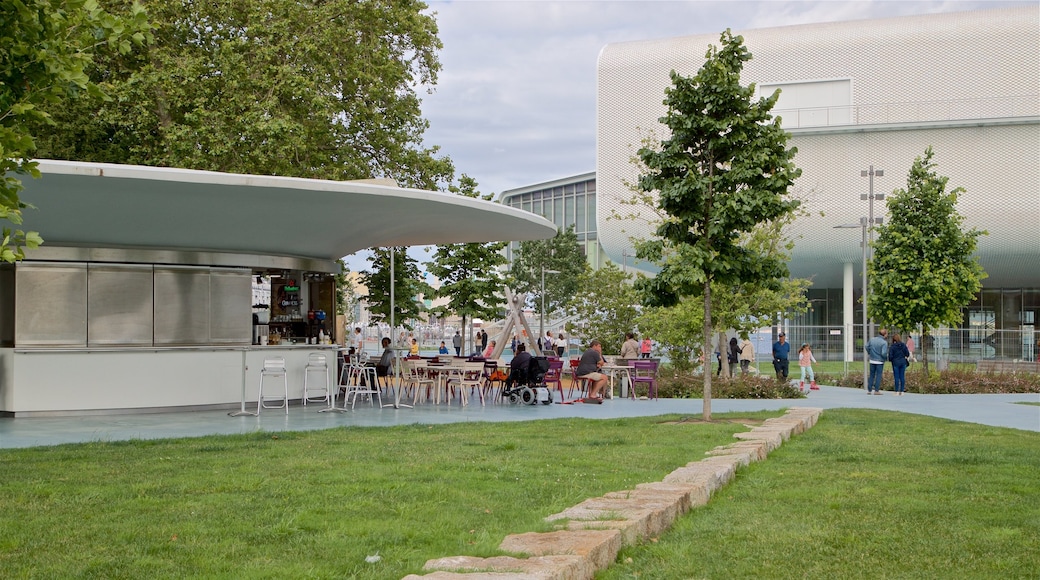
pixel 518 367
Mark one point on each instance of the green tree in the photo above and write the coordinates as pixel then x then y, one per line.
pixel 924 269
pixel 408 286
pixel 469 273
pixel 674 328
pixel 45 47
pixel 724 169
pixel 274 87
pixel 606 306
pixel 561 253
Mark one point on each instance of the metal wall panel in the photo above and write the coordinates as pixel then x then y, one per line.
pixel 230 306
pixel 119 305
pixel 182 308
pixel 51 304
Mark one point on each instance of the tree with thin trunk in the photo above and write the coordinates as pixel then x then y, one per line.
pixel 408 287
pixel 723 169
pixel 469 273
pixel 924 269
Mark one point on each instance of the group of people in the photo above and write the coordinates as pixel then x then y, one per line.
pixel 878 351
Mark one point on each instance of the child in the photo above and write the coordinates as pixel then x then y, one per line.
pixel 443 349
pixel 805 360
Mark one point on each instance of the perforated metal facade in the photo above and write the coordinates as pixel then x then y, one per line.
pixel 874 92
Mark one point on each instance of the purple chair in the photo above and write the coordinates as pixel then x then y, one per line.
pixel 645 371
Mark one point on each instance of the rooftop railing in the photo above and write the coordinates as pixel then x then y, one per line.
pixel 911 112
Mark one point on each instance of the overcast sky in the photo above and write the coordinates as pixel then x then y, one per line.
pixel 516 99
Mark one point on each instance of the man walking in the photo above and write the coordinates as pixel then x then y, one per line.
pixel 781 357
pixel 877 353
pixel 456 341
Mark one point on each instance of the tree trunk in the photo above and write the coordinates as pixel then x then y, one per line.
pixel 724 354
pixel 706 348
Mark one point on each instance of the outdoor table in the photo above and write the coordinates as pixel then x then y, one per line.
pixel 397 404
pixel 611 371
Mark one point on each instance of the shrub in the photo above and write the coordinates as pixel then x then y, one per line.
pixel 951 381
pixel 691 386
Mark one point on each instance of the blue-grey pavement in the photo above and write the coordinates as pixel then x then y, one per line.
pixel 994 410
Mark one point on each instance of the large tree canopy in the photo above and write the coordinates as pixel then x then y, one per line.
pixel 45 47
pixel 274 87
pixel 562 254
pixel 724 169
pixel 924 269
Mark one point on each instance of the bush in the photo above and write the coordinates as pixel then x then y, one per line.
pixel 948 382
pixel 691 386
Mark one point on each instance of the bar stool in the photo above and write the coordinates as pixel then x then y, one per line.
pixel 317 363
pixel 274 368
pixel 360 372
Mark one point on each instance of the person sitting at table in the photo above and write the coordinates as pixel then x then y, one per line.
pixel 413 350
pixel 588 368
pixel 443 349
pixel 518 366
pixel 490 349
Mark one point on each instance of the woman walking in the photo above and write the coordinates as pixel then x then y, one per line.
pixel 899 355
pixel 805 361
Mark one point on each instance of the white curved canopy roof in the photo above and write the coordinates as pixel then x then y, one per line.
pixel 108 205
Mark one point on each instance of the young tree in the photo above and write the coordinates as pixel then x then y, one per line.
pixel 724 169
pixel 322 90
pixel 675 329
pixel 924 269
pixel 45 47
pixel 561 253
pixel 469 273
pixel 606 305
pixel 408 286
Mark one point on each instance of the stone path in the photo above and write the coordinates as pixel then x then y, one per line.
pixel 590 535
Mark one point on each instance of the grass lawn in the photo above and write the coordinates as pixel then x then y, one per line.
pixel 865 493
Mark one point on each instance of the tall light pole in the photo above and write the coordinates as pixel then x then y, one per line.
pixel 866 336
pixel 541 317
pixel 868 251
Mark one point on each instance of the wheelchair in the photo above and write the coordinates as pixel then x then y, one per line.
pixel 527 386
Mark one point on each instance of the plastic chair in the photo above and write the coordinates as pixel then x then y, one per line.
pixel 554 376
pixel 317 363
pixel 645 371
pixel 275 369
pixel 416 378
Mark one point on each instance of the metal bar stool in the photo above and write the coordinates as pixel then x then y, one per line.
pixel 274 368
pixel 317 363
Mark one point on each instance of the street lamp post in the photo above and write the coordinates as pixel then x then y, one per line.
pixel 541 317
pixel 863 226
pixel 868 251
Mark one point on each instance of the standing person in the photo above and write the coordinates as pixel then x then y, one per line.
pixel 747 355
pixel 733 356
pixel 910 348
pixel 443 349
pixel 483 340
pixel 781 357
pixel 645 348
pixel 630 348
pixel 359 342
pixel 512 345
pixel 560 345
pixel 588 368
pixel 805 361
pixel 877 353
pixel 899 356
pixel 456 341
pixel 547 344
pixel 718 359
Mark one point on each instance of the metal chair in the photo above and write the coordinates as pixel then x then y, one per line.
pixel 275 369
pixel 317 363
pixel 645 371
pixel 362 380
pixel 417 378
pixel 554 376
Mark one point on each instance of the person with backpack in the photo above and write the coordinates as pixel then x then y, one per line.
pixel 899 356
pixel 733 356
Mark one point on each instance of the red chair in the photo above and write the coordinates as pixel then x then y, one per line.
pixel 645 371
pixel 554 376
pixel 581 384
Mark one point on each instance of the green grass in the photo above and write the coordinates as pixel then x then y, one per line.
pixel 1027 403
pixel 865 493
pixel 315 504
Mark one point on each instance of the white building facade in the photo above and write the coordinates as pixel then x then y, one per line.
pixel 862 94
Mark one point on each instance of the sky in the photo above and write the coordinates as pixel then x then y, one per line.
pixel 515 101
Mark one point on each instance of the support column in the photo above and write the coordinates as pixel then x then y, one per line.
pixel 847 313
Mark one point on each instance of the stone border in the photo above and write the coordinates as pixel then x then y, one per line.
pixel 591 534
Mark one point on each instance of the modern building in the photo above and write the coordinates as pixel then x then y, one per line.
pixel 142 296
pixel 861 96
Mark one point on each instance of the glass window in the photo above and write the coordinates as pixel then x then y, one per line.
pixel 536 206
pixel 579 215
pixel 591 201
pixel 590 185
pixel 558 212
pixel 568 211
